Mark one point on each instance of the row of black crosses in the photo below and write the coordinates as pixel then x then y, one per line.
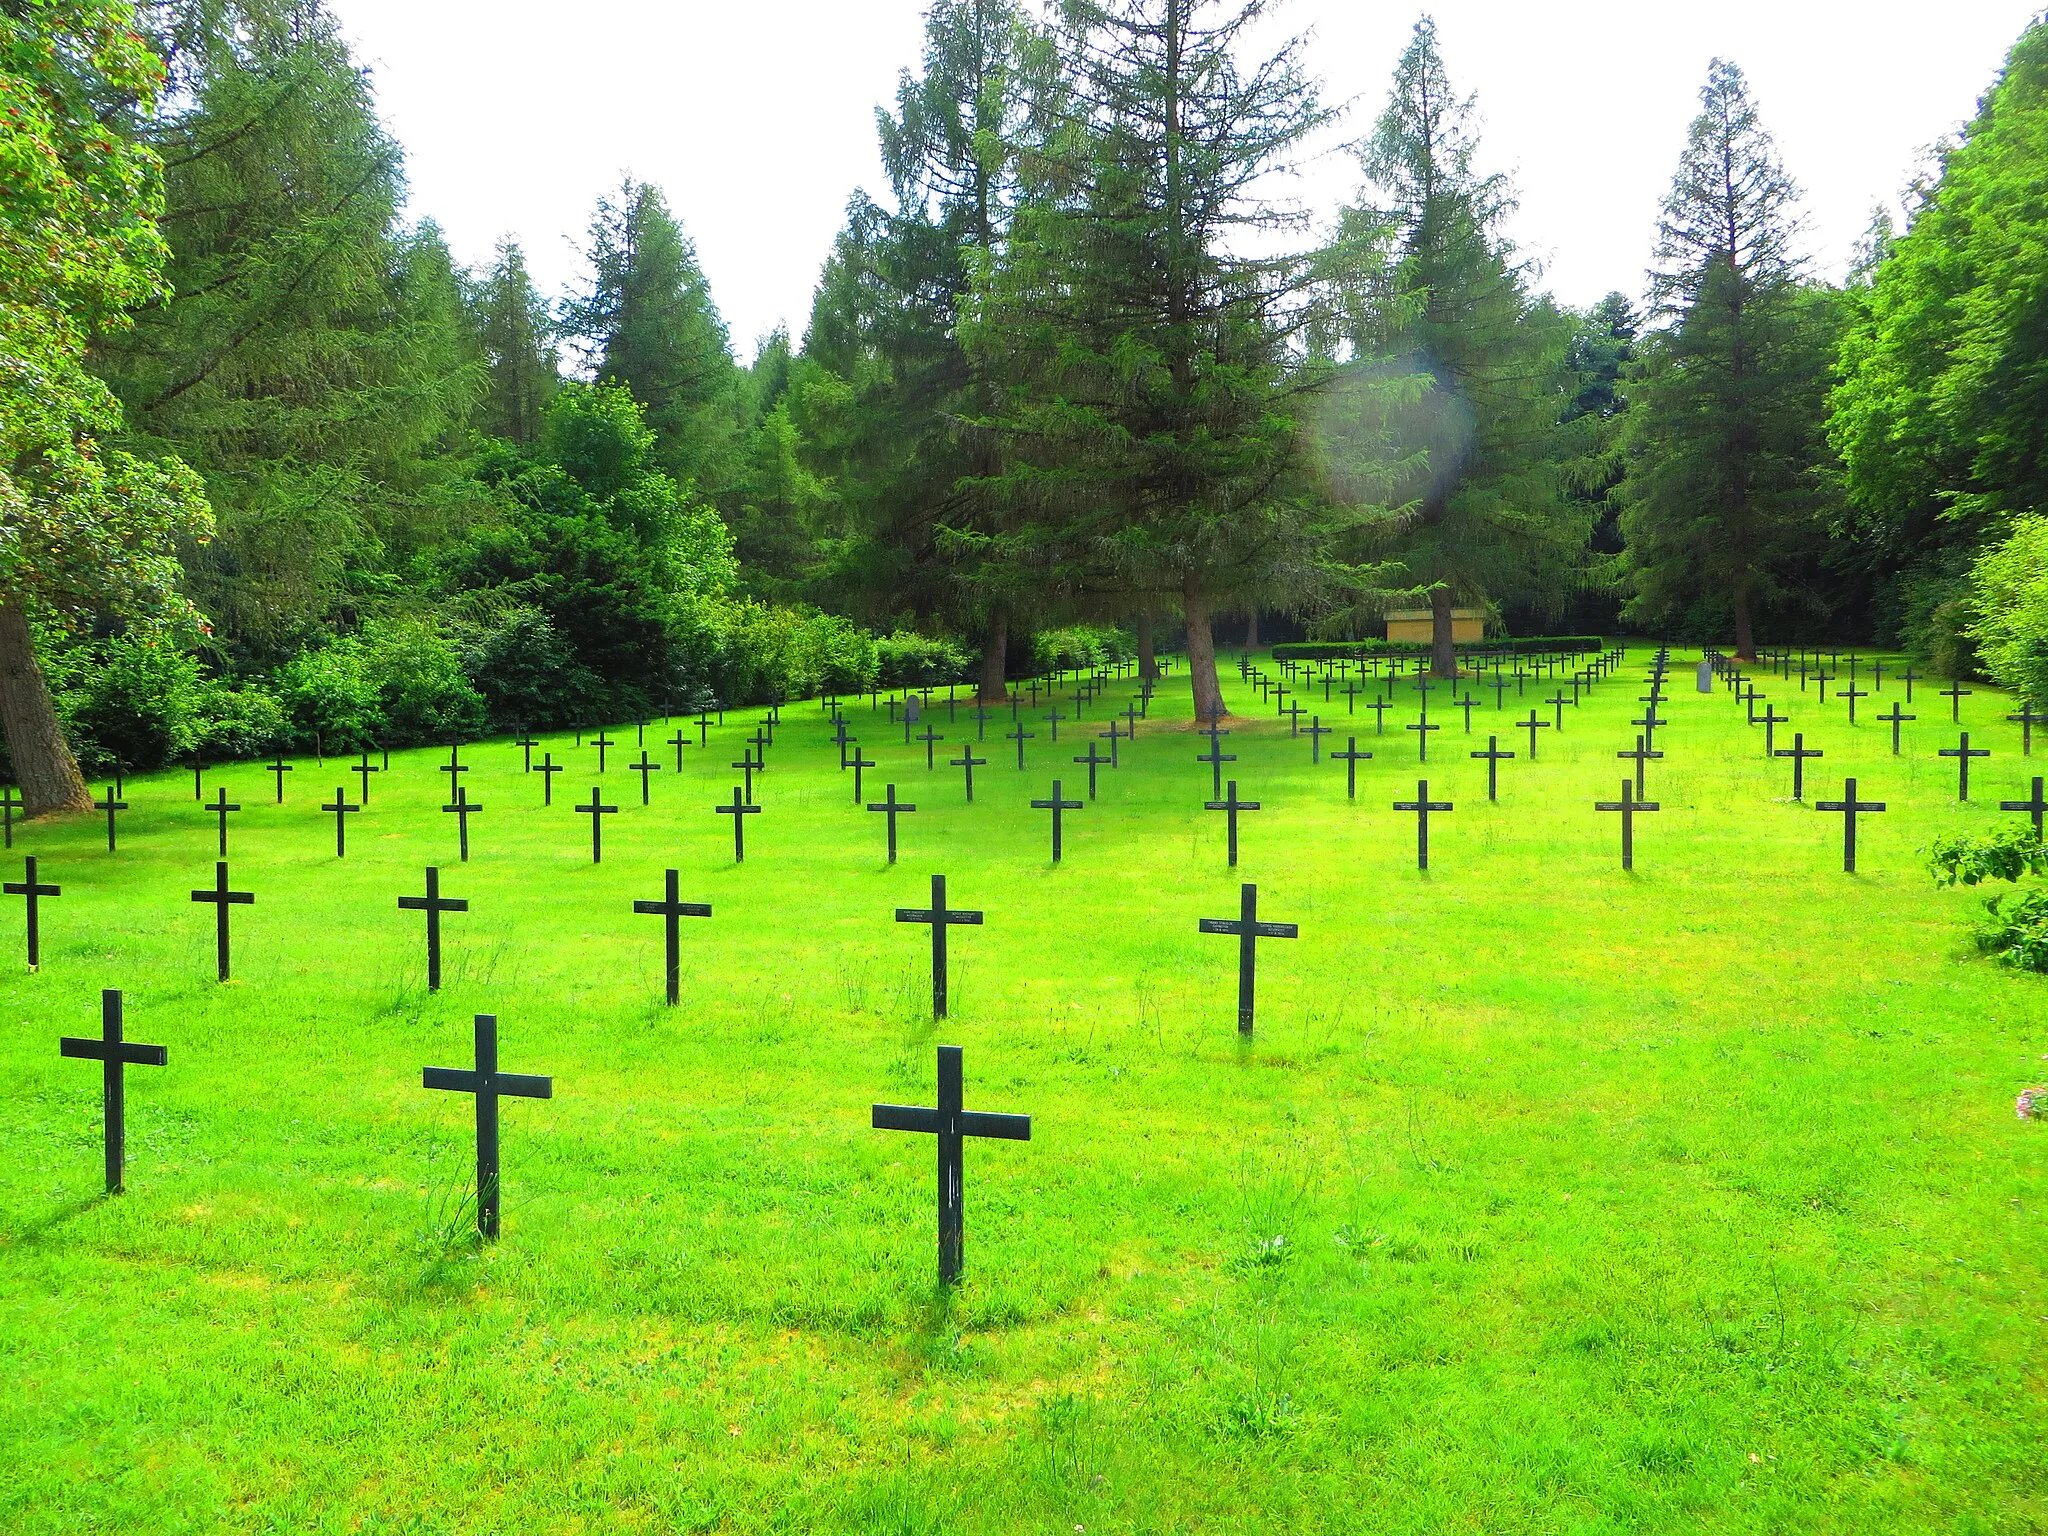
pixel 1810 665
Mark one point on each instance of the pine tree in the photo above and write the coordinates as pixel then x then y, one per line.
pixel 1474 364
pixel 1724 483
pixel 1152 390
pixel 647 321
pixel 516 331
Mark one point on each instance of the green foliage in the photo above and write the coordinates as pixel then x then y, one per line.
pixel 136 700
pixel 2014 929
pixel 904 658
pixel 423 691
pixel 2011 610
pixel 1967 858
pixel 527 673
pixel 1079 646
pixel 329 695
pixel 1940 418
pixel 516 332
pixel 1358 650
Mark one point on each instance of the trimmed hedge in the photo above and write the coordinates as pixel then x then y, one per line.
pixel 1361 650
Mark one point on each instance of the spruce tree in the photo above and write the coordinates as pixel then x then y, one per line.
pixel 1471 365
pixel 1725 481
pixel 516 331
pixel 647 321
pixel 1152 391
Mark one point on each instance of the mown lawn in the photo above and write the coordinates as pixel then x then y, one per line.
pixel 1546 1197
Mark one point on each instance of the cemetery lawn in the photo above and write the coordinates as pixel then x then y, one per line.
pixel 1547 1198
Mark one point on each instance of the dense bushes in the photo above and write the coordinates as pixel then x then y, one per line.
pixel 2011 602
pixel 2014 928
pixel 143 701
pixel 1362 650
pixel 908 660
pixel 1081 646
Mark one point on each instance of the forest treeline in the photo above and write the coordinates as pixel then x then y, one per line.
pixel 1077 380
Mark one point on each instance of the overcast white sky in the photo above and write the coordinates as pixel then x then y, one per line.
pixel 757 116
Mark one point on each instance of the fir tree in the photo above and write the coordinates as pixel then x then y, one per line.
pixel 1724 483
pixel 516 331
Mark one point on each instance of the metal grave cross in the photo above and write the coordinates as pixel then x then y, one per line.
pixel 1422 805
pixel 748 766
pixel 342 811
pixel 951 1124
pixel 931 740
pixel 2027 719
pixel 1094 759
pixel 32 891
pixel 10 802
pixel 1215 757
pixel 1249 930
pixel 222 900
pixel 1494 758
pixel 670 909
pixel 222 808
pixel 547 770
pixel 644 767
pixel 1852 693
pixel 857 763
pixel 1799 752
pixel 489 1085
pixel 601 742
pixel 1642 754
pixel 111 806
pixel 892 808
pixel 969 762
pixel 597 810
pixel 940 917
pixel 1962 752
pixel 1532 725
pixel 739 811
pixel 1316 732
pixel 114 1055
pixel 1057 804
pixel 1955 693
pixel 2037 806
pixel 680 741
pixel 1628 805
pixel 462 810
pixel 1772 720
pixel 1020 736
pixel 277 767
pixel 1350 757
pixel 433 904
pixel 1850 807
pixel 455 767
pixel 362 768
pixel 1423 727
pixel 1230 805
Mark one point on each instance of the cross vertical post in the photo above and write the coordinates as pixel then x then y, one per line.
pixel 940 917
pixel 671 909
pixel 489 1085
pixel 114 1055
pixel 1248 930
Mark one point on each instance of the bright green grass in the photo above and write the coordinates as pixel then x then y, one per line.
pixel 1687 1200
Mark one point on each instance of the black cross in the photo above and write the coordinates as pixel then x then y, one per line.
pixel 840 738
pixel 1962 752
pixel 1852 693
pixel 1467 704
pixel 1559 701
pixel 462 810
pixel 1494 758
pixel 643 768
pixel 197 770
pixel 121 789
pixel 951 1124
pixel 1055 717
pixel 1056 805
pixel 547 770
pixel 362 769
pixel 455 767
pixel 1895 719
pixel 1628 805
pixel 1849 806
pixel 680 741
pixel 2028 719
pixel 739 811
pixel 110 805
pixel 1316 732
pixel 2036 805
pixel 931 739
pixel 1249 930
pixel 1092 760
pixel 1380 707
pixel 10 802
pixel 1350 757
pixel 747 765
pixel 1132 715
pixel 601 741
pixel 1112 735
pixel 342 811
pixel 1955 693
pixel 980 721
pixel 113 1054
pixel 526 743
pixel 433 904
pixel 1215 757
pixel 32 891
pixel 597 810
pixel 1641 755
pixel 969 762
pixel 1771 721
pixel 1020 736
pixel 222 808
pixel 489 1085
pixel 1230 805
pixel 1908 676
pixel 1649 722
pixel 892 808
pixel 220 898
pixel 1422 727
pixel 704 726
pixel 278 768
pixel 1422 805
pixel 857 762
pixel 941 917
pixel 1532 725
pixel 1351 691
pixel 671 909
pixel 1799 753
pixel 1293 712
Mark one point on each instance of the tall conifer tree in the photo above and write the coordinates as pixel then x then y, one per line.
pixel 516 331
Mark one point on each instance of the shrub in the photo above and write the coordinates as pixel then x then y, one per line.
pixel 527 673
pixel 330 692
pixel 138 699
pixel 1360 650
pixel 2014 929
pixel 2011 603
pixel 423 692
pixel 1080 646
pixel 2006 854
pixel 241 722
pixel 907 659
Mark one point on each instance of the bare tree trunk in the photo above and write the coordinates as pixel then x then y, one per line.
pixel 995 661
pixel 1201 650
pixel 1443 660
pixel 1148 659
pixel 1745 637
pixel 48 773
pixel 1251 630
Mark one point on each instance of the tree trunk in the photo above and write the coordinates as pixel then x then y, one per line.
pixel 1201 650
pixel 995 661
pixel 1745 637
pixel 1443 647
pixel 1251 630
pixel 43 764
pixel 1148 659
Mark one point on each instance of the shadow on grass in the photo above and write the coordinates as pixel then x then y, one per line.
pixel 35 1231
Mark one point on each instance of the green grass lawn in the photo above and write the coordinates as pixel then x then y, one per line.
pixel 1546 1197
